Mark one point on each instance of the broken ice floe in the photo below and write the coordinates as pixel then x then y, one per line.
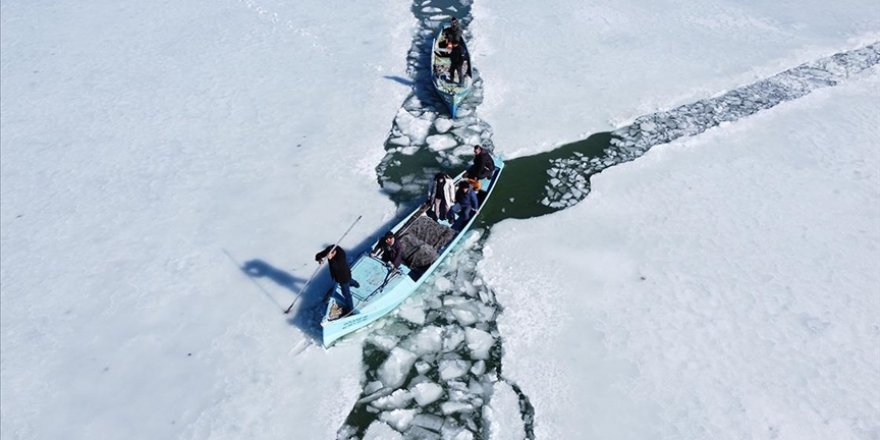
pixel 569 176
pixel 426 393
pixel 394 370
pixel 440 142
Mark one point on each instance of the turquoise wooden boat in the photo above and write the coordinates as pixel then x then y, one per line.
pixel 382 290
pixel 453 94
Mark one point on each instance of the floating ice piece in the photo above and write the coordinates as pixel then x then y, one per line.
pixel 442 125
pixel 503 413
pixel 403 141
pixel 440 142
pixel 381 431
pixel 453 336
pixel 443 284
pixel 426 393
pixel 415 128
pixel 429 421
pixel 428 340
pixel 464 316
pixel 417 432
pixel 372 387
pixel 398 418
pixel 423 367
pixel 398 399
pixel 413 312
pixel 479 368
pixel 464 150
pixel 381 392
pixel 394 370
pixel 384 341
pixel 409 151
pixel 455 407
pixel 451 369
pixel 479 343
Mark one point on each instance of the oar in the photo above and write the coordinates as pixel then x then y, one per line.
pixel 319 266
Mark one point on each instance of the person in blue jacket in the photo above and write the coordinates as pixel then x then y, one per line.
pixel 466 205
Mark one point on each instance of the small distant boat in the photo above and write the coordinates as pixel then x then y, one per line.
pixel 452 93
pixel 382 290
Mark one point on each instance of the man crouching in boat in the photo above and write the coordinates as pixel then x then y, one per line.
pixel 341 273
pixel 389 248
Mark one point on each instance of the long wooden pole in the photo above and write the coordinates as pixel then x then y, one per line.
pixel 335 245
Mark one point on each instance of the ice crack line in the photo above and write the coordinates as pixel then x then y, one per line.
pixel 569 176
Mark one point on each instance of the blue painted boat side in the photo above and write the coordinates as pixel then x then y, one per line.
pixel 371 304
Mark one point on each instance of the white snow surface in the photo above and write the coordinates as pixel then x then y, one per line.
pixel 150 149
pixel 725 286
pixel 141 143
pixel 556 72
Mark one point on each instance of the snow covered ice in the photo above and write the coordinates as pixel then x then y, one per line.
pixel 720 286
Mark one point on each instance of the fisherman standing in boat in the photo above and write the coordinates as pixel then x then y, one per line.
pixel 456 59
pixel 341 273
pixel 441 195
pixel 453 33
pixel 483 166
pixel 389 248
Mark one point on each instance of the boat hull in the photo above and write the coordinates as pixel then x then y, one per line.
pixel 382 291
pixel 452 93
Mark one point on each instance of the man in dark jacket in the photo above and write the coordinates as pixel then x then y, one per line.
pixel 341 273
pixel 483 166
pixel 456 61
pixel 390 250
pixel 454 30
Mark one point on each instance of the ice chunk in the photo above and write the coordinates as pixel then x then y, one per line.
pixel 399 418
pixel 478 368
pixel 403 141
pixel 409 151
pixel 442 125
pixel 426 393
pixel 394 370
pixel 383 341
pixel 419 433
pixel 398 399
pixel 372 387
pixel 428 340
pixel 464 150
pixel 415 128
pixel 464 316
pixel 479 343
pixel 451 369
pixel 423 367
pixel 503 413
pixel 443 284
pixel 381 431
pixel 440 142
pixel 453 336
pixel 455 407
pixel 429 421
pixel 412 312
